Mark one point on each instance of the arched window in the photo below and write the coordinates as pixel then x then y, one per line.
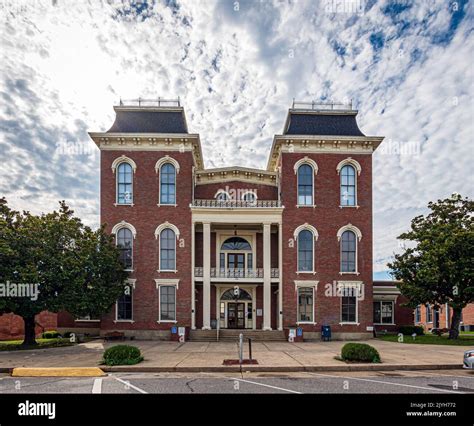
pixel 250 197
pixel 348 186
pixel 348 251
pixel 222 196
pixel 236 243
pixel 167 250
pixel 124 184
pixel 305 251
pixel 125 245
pixel 236 294
pixel 167 184
pixel 305 185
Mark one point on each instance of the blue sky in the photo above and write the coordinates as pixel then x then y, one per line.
pixel 236 66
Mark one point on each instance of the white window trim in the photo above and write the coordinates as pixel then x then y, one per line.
pixel 431 313
pixel 132 229
pixel 314 231
pixel 306 284
pixel 351 162
pixel 357 168
pixel 159 164
pixel 314 166
pixel 349 284
pixel 115 164
pixel 358 234
pixel 131 284
pixel 254 193
pixel 159 229
pixel 167 283
pixel 393 312
pixel 250 237
pixel 356 205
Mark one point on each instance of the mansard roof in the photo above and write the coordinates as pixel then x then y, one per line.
pixel 322 123
pixel 141 119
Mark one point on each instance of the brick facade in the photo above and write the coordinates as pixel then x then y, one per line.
pixel 12 326
pixel 443 318
pixel 264 273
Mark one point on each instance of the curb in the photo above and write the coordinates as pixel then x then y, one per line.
pixel 270 369
pixel 283 369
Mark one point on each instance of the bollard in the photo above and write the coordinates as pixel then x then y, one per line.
pixel 250 349
pixel 241 347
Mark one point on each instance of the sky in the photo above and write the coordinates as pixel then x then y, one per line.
pixel 237 66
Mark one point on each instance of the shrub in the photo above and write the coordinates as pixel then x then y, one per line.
pixel 122 355
pixel 51 334
pixel 359 352
pixel 408 330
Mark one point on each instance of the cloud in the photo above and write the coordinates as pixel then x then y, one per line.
pixel 237 66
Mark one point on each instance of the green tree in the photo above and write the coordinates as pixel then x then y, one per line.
pixel 439 268
pixel 76 268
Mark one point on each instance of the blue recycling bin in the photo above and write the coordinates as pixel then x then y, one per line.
pixel 326 333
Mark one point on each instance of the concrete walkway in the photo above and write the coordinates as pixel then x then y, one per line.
pixel 271 356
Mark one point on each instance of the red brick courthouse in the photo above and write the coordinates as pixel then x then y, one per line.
pixel 239 248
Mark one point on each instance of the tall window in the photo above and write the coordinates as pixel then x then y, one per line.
pixel 124 184
pixel 429 314
pixel 348 186
pixel 167 184
pixel 305 251
pixel 305 185
pixel 125 245
pixel 124 305
pixel 167 303
pixel 383 312
pixel 305 304
pixel 348 252
pixel 418 314
pixel 349 305
pixel 167 250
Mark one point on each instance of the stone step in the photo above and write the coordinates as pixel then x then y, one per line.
pixel 227 335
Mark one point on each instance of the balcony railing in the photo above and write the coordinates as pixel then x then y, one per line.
pixel 236 273
pixel 232 204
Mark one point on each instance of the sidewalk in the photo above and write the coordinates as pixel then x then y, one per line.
pixel 271 356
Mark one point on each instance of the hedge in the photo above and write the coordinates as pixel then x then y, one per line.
pixel 359 352
pixel 52 334
pixel 122 355
pixel 408 330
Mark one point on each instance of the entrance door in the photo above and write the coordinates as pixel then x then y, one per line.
pixel 236 264
pixel 235 315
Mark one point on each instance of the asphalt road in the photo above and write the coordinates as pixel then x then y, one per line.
pixel 414 382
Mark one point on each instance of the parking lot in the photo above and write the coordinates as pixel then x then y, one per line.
pixel 438 382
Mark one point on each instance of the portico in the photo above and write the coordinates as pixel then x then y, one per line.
pixel 236 258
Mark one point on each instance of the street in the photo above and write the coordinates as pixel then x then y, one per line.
pixel 415 382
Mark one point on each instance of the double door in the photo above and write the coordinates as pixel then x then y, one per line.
pixel 235 315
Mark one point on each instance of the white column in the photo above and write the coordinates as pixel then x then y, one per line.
pixel 193 293
pixel 254 308
pixel 280 275
pixel 267 276
pixel 206 280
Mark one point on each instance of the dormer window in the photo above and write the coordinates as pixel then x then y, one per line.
pixel 222 196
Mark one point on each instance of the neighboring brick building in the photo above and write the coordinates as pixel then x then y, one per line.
pixel 389 313
pixel 12 326
pixel 429 317
pixel 235 247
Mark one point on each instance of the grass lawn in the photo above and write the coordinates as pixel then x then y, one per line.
pixel 429 339
pixel 14 345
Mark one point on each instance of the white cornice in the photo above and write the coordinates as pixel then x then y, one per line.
pixel 321 144
pixel 242 174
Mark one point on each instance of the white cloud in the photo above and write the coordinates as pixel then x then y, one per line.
pixel 65 63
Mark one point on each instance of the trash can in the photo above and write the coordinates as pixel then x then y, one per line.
pixel 326 333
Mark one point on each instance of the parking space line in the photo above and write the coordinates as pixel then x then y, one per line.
pixel 97 387
pixel 128 384
pixel 265 385
pixel 385 383
pixel 434 374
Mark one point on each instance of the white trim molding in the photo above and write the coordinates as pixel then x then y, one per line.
pixel 124 224
pixel 166 225
pixel 308 227
pixel 351 162
pixel 306 160
pixel 306 283
pixel 123 159
pixel 350 284
pixel 167 282
pixel 313 285
pixel 164 160
pixel 349 227
pixel 222 191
